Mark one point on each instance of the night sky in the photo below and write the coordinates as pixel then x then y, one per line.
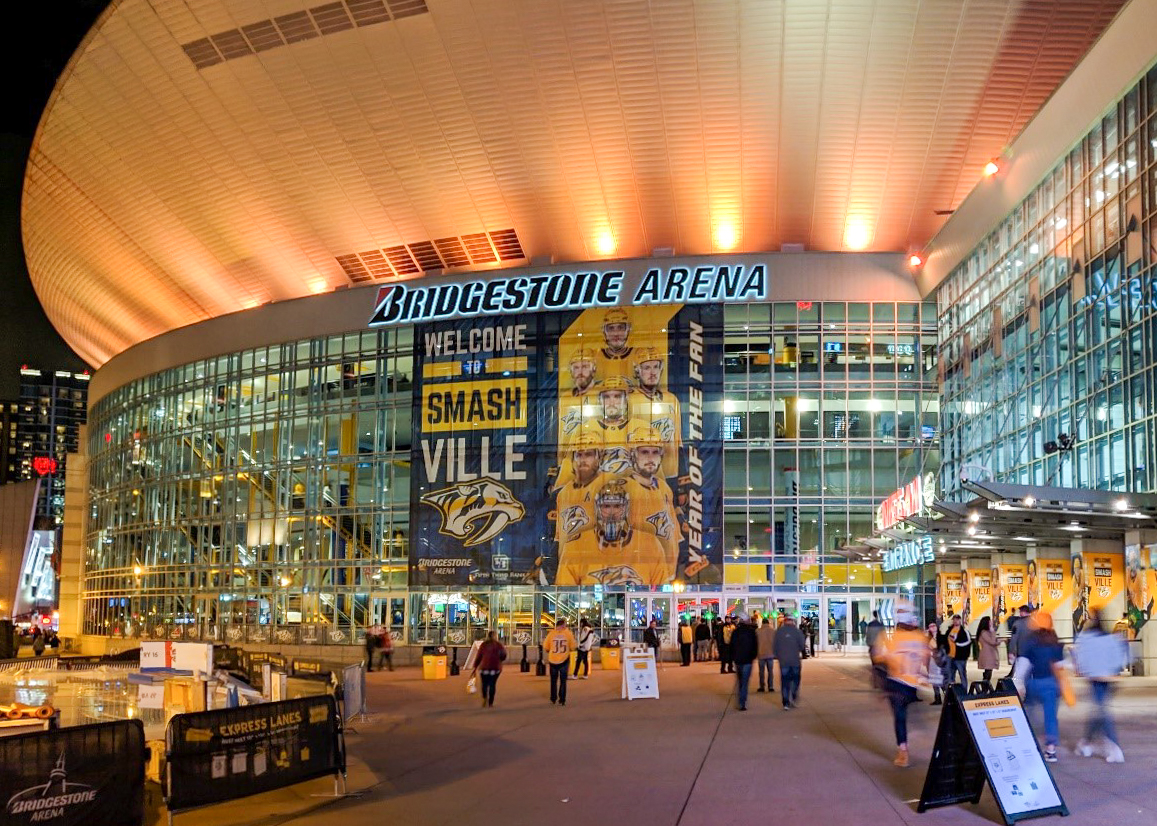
pixel 35 50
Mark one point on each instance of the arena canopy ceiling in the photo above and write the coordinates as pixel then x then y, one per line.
pixel 204 157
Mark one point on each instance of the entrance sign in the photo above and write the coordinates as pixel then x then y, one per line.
pixel 988 738
pixel 640 677
pixel 907 501
pixel 907 554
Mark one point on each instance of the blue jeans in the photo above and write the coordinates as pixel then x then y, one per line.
pixel 742 678
pixel 958 668
pixel 767 664
pixel 558 681
pixel 1044 690
pixel 1100 719
pixel 789 683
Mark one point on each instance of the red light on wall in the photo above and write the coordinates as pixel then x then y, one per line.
pixel 44 465
pixel 107 438
pixel 803 305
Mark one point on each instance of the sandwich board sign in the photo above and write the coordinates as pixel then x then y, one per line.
pixel 987 738
pixel 640 677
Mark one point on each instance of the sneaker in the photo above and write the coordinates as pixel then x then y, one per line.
pixel 586 676
pixel 1113 753
pixel 760 690
pixel 1084 749
pixel 786 706
pixel 743 708
pixel 1051 754
pixel 901 758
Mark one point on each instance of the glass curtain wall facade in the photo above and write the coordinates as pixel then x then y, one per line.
pixel 1048 327
pixel 264 496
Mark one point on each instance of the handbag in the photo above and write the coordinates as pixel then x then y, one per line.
pixel 472 685
pixel 1065 685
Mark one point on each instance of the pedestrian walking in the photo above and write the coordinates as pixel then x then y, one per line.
pixel 651 638
pixel 872 632
pixel 558 645
pixel 1016 638
pixel 702 641
pixel 726 664
pixel 989 657
pixel 488 666
pixel 717 638
pixel 766 636
pixel 937 662
pixel 686 642
pixel 586 641
pixel 1100 657
pixel 744 649
pixel 1043 650
pixel 959 649
pixel 385 649
pixel 371 644
pixel 789 647
pixel 907 655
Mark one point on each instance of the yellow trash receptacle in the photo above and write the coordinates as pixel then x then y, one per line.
pixel 610 655
pixel 434 663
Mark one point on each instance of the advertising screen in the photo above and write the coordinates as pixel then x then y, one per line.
pixel 569 448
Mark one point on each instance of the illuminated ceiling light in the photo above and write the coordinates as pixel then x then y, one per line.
pixel 605 243
pixel 726 236
pixel 317 287
pixel 990 169
pixel 1121 504
pixel 1029 501
pixel 972 530
pixel 974 517
pixel 856 234
pixel 915 261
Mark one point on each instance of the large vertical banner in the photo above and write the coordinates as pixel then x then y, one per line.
pixel 1009 591
pixel 978 595
pixel 1139 590
pixel 950 594
pixel 1080 590
pixel 1053 584
pixel 1106 574
pixel 571 448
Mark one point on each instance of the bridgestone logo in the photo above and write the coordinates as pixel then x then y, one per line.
pixel 444 563
pixel 60 800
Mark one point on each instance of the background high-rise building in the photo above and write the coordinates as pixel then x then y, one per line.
pixel 53 405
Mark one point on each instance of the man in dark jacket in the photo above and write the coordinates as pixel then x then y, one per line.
pixel 744 648
pixel 702 641
pixel 651 638
pixel 789 648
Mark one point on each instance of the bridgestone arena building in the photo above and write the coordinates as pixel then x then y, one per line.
pixel 569 402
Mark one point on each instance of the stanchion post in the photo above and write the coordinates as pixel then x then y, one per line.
pixel 454 669
pixel 540 666
pixel 524 665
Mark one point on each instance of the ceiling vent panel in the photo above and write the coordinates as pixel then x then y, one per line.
pixel 401 261
pixel 377 264
pixel 452 252
pixel 296 27
pixel 479 249
pixel 506 242
pixel 354 268
pixel 426 256
pixel 330 18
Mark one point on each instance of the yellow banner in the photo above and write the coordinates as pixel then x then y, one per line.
pixel 1049 584
pixel 950 594
pixel 977 594
pixel 473 405
pixel 1106 576
pixel 1140 586
pixel 1009 591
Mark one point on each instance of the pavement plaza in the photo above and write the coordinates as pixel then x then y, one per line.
pixel 428 754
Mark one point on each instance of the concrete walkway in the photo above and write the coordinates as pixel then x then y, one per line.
pixel 429 755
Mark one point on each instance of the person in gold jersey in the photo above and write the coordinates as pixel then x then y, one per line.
pixel 652 502
pixel 614 553
pixel 906 655
pixel 614 359
pixel 584 386
pixel 557 647
pixel 575 500
pixel 659 409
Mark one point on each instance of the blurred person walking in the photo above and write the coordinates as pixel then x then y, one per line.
pixel 489 666
pixel 907 654
pixel 959 649
pixel 726 664
pixel 1017 637
pixel 937 661
pixel 744 648
pixel 766 635
pixel 989 657
pixel 702 641
pixel 789 648
pixel 1043 650
pixel 651 638
pixel 1100 657
pixel 586 641
pixel 686 642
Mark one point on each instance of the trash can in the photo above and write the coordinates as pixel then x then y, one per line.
pixel 610 654
pixel 434 662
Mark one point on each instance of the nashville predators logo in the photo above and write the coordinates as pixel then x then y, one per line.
pixel 616 461
pixel 475 512
pixel 574 519
pixel 661 523
pixel 665 426
pixel 616 575
pixel 569 423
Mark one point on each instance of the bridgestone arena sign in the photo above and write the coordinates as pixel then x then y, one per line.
pixel 702 284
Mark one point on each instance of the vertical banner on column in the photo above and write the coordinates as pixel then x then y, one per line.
pixel 480 452
pixel 1139 590
pixel 1009 591
pixel 1106 575
pixel 950 588
pixel 637 494
pixel 579 448
pixel 1052 584
pixel 977 595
